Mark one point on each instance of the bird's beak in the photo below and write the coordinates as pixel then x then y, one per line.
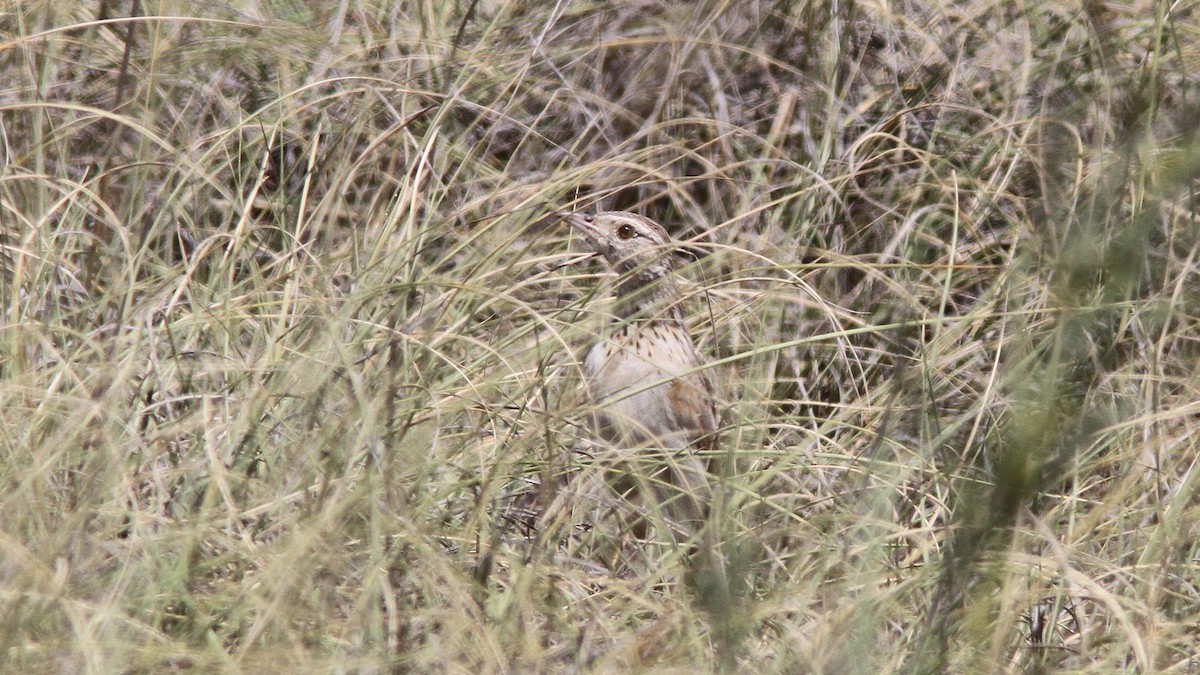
pixel 580 221
pixel 585 224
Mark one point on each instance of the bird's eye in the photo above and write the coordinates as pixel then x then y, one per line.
pixel 626 231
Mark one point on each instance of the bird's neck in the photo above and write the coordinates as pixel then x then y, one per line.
pixel 646 298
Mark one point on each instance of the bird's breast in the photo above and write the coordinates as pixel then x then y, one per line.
pixel 636 378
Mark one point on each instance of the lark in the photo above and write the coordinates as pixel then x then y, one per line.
pixel 644 380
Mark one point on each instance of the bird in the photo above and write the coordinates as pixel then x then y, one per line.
pixel 646 384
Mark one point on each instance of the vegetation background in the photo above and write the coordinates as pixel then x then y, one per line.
pixel 287 351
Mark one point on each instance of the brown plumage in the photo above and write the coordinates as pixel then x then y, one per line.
pixel 650 399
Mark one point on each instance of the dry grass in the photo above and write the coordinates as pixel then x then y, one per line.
pixel 287 356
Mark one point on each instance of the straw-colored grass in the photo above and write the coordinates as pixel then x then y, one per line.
pixel 288 353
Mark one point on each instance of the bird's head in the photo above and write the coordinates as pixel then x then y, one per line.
pixel 629 242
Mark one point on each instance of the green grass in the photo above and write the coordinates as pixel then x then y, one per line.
pixel 288 351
